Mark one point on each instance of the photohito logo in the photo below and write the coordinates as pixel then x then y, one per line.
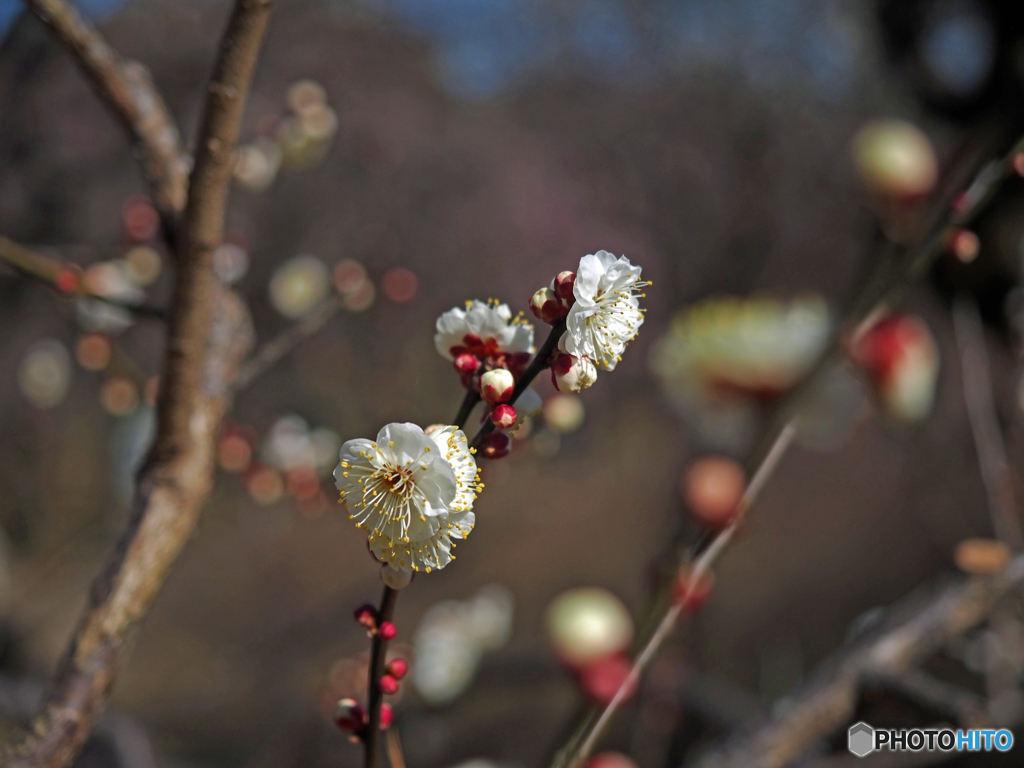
pixel 862 740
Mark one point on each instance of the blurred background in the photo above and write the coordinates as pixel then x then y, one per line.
pixel 407 155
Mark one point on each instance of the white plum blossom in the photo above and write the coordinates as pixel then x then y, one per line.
pixel 606 314
pixel 412 492
pixel 483 329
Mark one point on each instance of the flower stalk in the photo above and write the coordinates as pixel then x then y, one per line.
pixel 374 694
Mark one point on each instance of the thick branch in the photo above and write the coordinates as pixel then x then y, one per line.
pixel 208 335
pixel 127 88
pixel 824 705
pixel 169 494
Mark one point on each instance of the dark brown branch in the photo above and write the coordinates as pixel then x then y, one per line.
pixel 208 336
pixel 374 695
pixel 540 361
pixel 168 497
pixel 981 410
pixel 50 271
pixel 968 189
pixel 957 704
pixel 127 88
pixel 913 631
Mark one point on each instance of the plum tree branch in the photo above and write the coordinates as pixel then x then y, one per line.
pixel 910 632
pixel 209 333
pixel 50 271
pixel 127 89
pixel 970 185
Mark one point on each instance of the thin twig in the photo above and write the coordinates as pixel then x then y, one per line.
pixel 374 698
pixel 127 88
pixel 49 271
pixel 208 335
pixel 374 695
pixel 981 411
pixel 394 746
pixel 911 632
pixel 269 354
pixel 890 272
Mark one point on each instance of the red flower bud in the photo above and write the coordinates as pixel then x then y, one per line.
pixel 388 630
pixel 397 668
pixel 712 487
pixel 965 245
pixel 387 716
pixel 503 416
pixel 602 678
pixel 693 591
pixel 466 364
pixel 518 363
pixel 496 445
pixel 67 281
pixel 349 716
pixel 389 685
pixel 366 615
pixel 496 386
pixel 564 282
pixel 546 306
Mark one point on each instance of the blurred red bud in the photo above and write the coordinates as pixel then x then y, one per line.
pixel 388 685
pixel 601 679
pixel 388 630
pixel 496 445
pixel 366 615
pixel 397 668
pixel 349 716
pixel 712 487
pixel 387 716
pixel 691 591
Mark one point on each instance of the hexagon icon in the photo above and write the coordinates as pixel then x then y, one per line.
pixel 861 739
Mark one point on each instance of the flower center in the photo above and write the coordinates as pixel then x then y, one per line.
pixel 397 480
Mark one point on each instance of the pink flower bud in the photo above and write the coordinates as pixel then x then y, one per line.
pixel 397 668
pixel 546 306
pixel 496 386
pixel 572 374
pixel 466 364
pixel 387 716
pixel 388 630
pixel 366 615
pixel 602 678
pixel 564 282
pixel 349 716
pixel 692 591
pixel 496 445
pixel 389 685
pixel 503 416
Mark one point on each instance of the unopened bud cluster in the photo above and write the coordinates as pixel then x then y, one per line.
pixel 350 715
